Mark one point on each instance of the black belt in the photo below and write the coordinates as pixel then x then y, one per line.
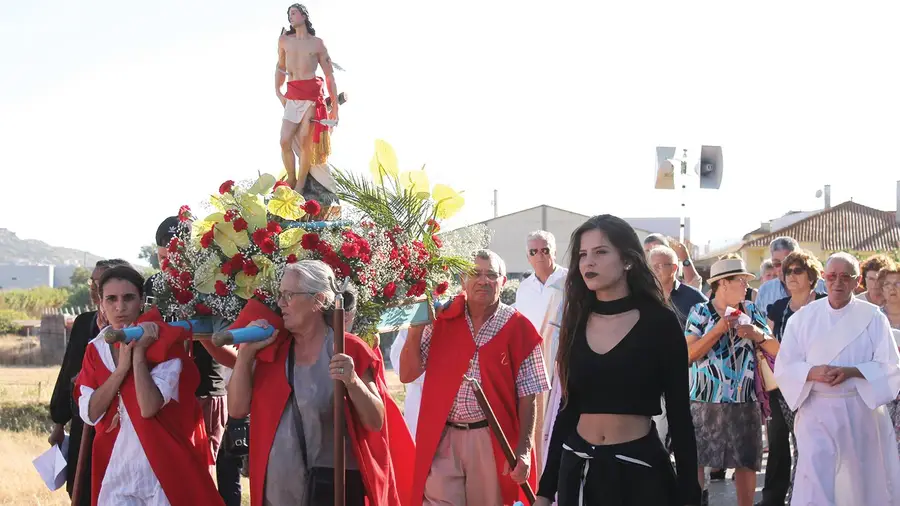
pixel 468 425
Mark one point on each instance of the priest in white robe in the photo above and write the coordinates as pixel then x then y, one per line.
pixel 838 366
pixel 548 408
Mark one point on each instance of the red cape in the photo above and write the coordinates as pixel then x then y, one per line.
pixel 174 440
pixel 452 347
pixel 385 457
pixel 313 90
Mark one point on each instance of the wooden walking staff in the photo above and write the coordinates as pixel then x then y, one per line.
pixel 83 448
pixel 339 391
pixel 498 433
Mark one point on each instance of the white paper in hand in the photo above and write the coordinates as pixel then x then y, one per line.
pixel 51 465
pixel 743 318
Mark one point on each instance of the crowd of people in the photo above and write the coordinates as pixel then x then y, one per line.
pixel 622 378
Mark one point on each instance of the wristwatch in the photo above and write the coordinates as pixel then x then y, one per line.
pixel 686 263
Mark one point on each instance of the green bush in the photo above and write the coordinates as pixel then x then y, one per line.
pixel 35 300
pixel 7 321
pixel 25 417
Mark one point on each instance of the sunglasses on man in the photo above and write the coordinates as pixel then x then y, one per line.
pixel 534 251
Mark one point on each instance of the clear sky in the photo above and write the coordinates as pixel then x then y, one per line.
pixel 113 114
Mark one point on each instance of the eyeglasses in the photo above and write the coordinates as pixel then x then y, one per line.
pixel 286 296
pixel 534 251
pixel 796 271
pixel 491 275
pixel 843 277
pixel 776 263
pixel 891 284
pixel 659 267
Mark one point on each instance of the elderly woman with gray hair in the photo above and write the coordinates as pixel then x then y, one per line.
pixel 286 384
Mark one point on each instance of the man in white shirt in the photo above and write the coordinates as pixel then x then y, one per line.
pixel 413 389
pixel 838 366
pixel 534 291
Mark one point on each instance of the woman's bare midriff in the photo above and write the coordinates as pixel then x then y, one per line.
pixel 607 429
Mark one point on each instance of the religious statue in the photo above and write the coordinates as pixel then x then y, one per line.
pixel 308 115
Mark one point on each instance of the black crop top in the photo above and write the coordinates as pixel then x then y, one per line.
pixel 649 363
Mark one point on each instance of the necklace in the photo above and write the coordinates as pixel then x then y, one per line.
pixel 613 307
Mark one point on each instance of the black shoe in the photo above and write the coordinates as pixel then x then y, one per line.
pixel 717 475
pixel 704 498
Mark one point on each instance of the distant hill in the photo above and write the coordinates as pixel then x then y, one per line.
pixel 30 252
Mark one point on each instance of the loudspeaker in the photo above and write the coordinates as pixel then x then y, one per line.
pixel 664 171
pixel 710 166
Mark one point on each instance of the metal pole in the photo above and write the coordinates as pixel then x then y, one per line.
pixel 683 212
pixel 339 391
pixel 83 448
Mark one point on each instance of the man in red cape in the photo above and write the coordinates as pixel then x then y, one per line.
pixel 385 457
pixel 174 440
pixel 476 336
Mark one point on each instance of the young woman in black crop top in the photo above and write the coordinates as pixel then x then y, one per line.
pixel 621 349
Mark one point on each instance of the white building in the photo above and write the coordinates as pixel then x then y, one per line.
pixel 510 231
pixel 31 276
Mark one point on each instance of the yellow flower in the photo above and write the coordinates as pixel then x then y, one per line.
pixel 207 274
pixel 286 204
pixel 289 241
pixel 230 241
pixel 253 210
pixel 263 185
pixel 416 181
pixel 447 201
pixel 384 162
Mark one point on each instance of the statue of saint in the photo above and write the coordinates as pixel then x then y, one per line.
pixel 308 115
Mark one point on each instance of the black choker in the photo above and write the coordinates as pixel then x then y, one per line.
pixel 613 307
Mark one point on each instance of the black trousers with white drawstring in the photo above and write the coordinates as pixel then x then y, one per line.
pixel 636 473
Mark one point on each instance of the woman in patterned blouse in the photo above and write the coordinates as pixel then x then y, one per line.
pixel 722 349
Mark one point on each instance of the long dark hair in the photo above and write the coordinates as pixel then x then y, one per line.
pixel 642 284
pixel 309 26
pixel 124 273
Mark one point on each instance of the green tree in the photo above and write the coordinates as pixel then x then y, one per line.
pixel 148 253
pixel 7 321
pixel 35 300
pixel 81 276
pixel 80 296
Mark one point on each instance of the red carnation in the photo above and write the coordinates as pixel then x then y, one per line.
pixel 389 290
pixel 183 296
pixel 221 289
pixel 259 294
pixel 173 245
pixel 309 240
pixel 226 187
pixel 267 246
pixel 350 250
pixel 184 213
pixel 250 268
pixel 207 238
pixel 433 225
pixel 273 227
pixel 186 278
pixel 231 214
pixel 441 288
pixel 164 265
pixel 259 235
pixel 202 309
pixel 239 224
pixel 312 207
pixel 227 268
pixel 237 260
pixel 279 184
pixel 292 258
pixel 437 241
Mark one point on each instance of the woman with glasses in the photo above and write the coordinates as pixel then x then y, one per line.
pixel 722 338
pixel 889 281
pixel 802 273
pixel 869 281
pixel 150 446
pixel 286 384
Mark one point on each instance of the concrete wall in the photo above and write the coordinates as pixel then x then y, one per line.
pixel 754 256
pixel 53 338
pixel 25 276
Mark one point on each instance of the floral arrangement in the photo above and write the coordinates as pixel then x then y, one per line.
pixel 391 251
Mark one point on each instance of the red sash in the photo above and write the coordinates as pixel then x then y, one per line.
pixel 313 90
pixel 174 440
pixel 452 347
pixel 384 457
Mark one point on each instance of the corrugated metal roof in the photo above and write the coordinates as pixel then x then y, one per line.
pixel 848 226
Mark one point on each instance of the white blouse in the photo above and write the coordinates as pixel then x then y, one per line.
pixel 129 479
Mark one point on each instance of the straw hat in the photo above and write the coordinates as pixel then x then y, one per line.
pixel 728 268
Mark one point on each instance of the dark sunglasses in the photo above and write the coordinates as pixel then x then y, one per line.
pixel 796 271
pixel 543 250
